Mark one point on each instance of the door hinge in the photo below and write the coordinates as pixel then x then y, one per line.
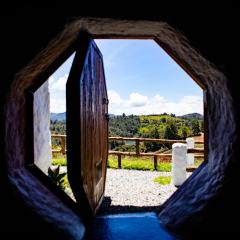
pixel 105 101
pixel 107 116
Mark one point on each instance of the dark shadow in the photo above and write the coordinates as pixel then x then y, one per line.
pixel 107 208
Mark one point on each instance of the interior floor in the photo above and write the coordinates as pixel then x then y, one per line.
pixel 139 226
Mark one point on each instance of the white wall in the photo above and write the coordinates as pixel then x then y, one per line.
pixel 42 135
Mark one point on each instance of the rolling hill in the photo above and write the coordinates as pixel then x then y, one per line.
pixel 58 116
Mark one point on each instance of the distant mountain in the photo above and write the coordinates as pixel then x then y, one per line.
pixel 62 116
pixel 192 115
pixel 58 116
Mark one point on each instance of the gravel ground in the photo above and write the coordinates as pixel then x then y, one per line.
pixel 131 191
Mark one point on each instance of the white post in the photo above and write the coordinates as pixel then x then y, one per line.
pixel 190 156
pixel 179 163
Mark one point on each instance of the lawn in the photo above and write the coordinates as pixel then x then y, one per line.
pixel 133 163
pixel 59 161
pixel 163 180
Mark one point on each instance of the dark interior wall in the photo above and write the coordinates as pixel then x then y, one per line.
pixel 26 30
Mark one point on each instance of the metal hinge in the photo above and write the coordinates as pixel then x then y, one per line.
pixel 105 101
pixel 107 116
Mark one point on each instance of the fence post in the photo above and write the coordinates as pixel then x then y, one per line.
pixel 119 161
pixel 137 147
pixel 63 145
pixel 179 163
pixel 190 156
pixel 155 162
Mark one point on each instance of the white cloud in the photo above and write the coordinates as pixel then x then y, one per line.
pixel 58 84
pixel 137 100
pixel 114 97
pixel 58 105
pixel 57 89
pixel 136 103
pixel 140 104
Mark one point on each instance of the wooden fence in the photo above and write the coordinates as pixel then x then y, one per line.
pixel 62 138
pixel 137 153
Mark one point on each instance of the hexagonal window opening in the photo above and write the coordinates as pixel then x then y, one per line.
pixel 141 127
pixel 49 127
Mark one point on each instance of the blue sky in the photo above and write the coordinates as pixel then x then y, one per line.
pixel 141 79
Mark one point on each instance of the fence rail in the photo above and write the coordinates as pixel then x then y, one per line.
pixel 63 149
pixel 137 153
pixel 150 140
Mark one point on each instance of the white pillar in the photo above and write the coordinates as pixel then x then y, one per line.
pixel 190 156
pixel 179 163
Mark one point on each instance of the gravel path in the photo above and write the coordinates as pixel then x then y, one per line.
pixel 131 190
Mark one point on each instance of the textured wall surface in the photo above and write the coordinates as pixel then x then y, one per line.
pixel 208 199
pixel 41 124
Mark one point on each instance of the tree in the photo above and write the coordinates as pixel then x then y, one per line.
pixel 163 120
pixel 184 132
pixel 195 127
pixel 152 146
pixel 171 131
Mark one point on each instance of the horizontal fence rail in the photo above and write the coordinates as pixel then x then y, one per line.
pixel 199 152
pixel 150 140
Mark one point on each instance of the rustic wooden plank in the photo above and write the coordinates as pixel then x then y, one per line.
pixel 63 145
pixel 119 161
pixel 195 150
pixel 56 150
pixel 58 135
pixel 191 169
pixel 155 162
pixel 75 127
pixel 137 147
pixel 137 139
pixel 145 140
pixel 141 154
pixel 87 127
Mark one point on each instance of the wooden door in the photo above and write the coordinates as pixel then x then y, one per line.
pixel 87 126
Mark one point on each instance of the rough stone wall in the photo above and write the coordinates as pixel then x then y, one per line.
pixel 211 191
pixel 41 125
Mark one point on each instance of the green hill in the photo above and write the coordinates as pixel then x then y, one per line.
pixel 147 126
pixel 152 126
pixel 192 116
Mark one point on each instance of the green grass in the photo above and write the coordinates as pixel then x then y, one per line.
pixel 138 164
pixel 198 162
pixel 127 163
pixel 59 161
pixel 163 180
pixel 66 183
pixel 132 163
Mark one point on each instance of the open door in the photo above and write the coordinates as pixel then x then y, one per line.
pixel 87 126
